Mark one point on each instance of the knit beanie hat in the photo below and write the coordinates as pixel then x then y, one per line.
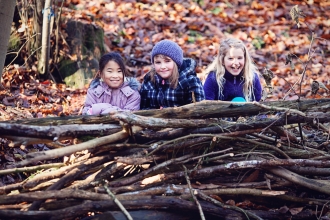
pixel 170 49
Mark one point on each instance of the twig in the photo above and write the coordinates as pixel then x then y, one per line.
pixel 118 203
pixel 266 145
pixel 210 199
pixel 220 157
pixel 287 110
pixel 34 157
pixel 206 155
pixel 321 210
pixel 222 137
pixel 31 169
pixel 17 53
pixel 142 174
pixel 305 67
pixel 192 193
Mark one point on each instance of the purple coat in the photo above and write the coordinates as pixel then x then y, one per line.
pixel 232 88
pixel 101 99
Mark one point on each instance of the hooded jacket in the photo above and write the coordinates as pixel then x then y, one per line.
pixel 161 95
pixel 101 99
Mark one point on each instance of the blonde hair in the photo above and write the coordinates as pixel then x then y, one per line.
pixel 218 67
pixel 173 79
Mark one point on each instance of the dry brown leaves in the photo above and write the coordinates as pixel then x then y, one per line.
pixel 133 27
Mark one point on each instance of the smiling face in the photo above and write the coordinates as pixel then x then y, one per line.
pixel 112 75
pixel 234 61
pixel 164 66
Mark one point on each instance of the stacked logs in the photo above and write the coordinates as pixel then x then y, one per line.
pixel 205 160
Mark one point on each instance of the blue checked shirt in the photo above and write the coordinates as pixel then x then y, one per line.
pixel 155 96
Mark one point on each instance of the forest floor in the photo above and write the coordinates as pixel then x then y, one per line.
pixel 133 27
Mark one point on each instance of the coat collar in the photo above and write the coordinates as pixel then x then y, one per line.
pixel 104 88
pixel 231 77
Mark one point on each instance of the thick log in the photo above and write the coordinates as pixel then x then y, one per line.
pixel 155 203
pixel 200 125
pixel 199 110
pixel 59 131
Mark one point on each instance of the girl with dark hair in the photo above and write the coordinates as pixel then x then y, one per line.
pixel 111 90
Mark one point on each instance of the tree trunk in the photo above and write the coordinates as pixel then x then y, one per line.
pixel 7 8
pixel 43 65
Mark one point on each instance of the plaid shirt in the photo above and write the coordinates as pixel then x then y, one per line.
pixel 154 96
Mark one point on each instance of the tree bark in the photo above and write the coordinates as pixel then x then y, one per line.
pixel 43 64
pixel 199 110
pixel 7 8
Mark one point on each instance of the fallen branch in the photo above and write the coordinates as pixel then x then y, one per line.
pixel 122 208
pixel 31 169
pixel 302 181
pixel 192 193
pixel 45 155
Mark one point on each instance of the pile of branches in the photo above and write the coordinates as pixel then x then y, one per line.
pixel 200 159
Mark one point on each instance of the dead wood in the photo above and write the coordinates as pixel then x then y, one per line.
pixel 143 159
pixel 98 177
pixel 69 177
pixel 215 170
pixel 316 185
pixel 59 131
pixel 145 173
pixel 31 169
pixel 199 110
pixel 156 123
pixel 154 203
pixel 48 175
pixel 53 194
pixel 34 157
pixel 218 109
pixel 310 170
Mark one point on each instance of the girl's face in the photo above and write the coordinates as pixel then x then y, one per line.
pixel 164 66
pixel 112 75
pixel 234 61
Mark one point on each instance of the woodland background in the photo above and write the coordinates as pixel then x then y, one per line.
pixel 133 27
pixel 293 47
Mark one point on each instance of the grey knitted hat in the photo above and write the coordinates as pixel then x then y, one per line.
pixel 170 49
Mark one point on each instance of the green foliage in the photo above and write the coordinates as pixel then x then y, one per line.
pixel 122 33
pixel 216 10
pixel 285 34
pixel 14 42
pixel 193 36
pixel 191 39
pixel 258 42
pixel 229 5
pixel 200 2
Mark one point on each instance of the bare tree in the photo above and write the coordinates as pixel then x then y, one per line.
pixel 7 8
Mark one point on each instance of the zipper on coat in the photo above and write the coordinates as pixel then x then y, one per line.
pixel 234 80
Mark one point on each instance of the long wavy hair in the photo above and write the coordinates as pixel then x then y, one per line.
pixel 173 79
pixel 218 67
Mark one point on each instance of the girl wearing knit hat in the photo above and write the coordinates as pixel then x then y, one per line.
pixel 172 81
pixel 232 76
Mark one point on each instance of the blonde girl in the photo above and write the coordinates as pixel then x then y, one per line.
pixel 232 76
